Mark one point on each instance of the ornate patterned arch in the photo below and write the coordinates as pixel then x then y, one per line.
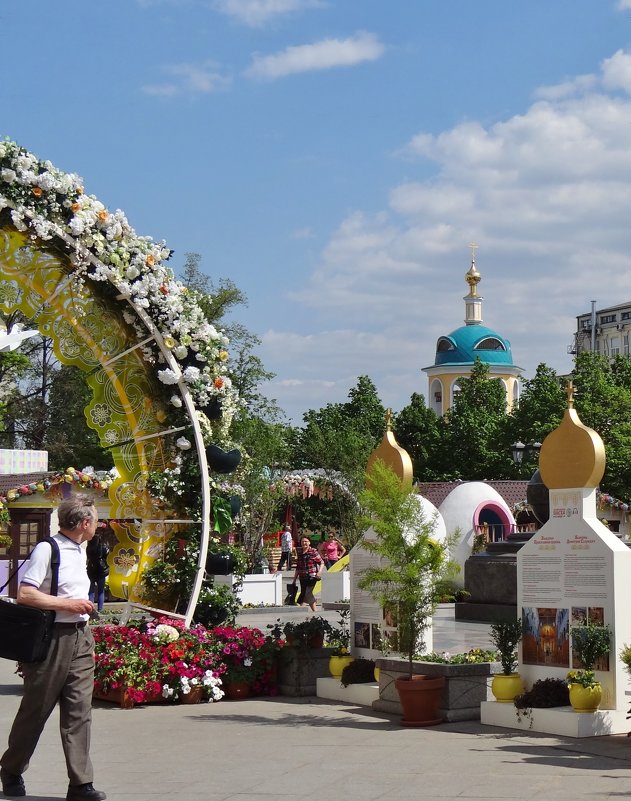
pixel 114 310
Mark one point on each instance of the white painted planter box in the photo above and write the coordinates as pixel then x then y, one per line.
pixel 336 587
pixel 360 694
pixel 258 588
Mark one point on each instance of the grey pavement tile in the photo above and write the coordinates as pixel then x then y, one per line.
pixel 264 749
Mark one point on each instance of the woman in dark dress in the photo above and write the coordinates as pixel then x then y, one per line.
pixel 98 569
pixel 309 565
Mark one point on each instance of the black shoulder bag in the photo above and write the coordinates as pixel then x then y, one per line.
pixel 25 632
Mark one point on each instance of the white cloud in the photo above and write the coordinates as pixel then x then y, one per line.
pixel 544 194
pixel 321 369
pixel 624 4
pixel 578 85
pixel 189 79
pixel 323 55
pixel 256 13
pixel 303 233
pixel 617 71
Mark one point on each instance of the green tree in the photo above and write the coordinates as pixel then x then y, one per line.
pixel 246 370
pixel 603 402
pixel 338 439
pixel 413 564
pixel 603 397
pixel 421 432
pixel 538 412
pixel 476 438
pixel 68 439
pixel 267 445
pixel 216 298
pixel 26 414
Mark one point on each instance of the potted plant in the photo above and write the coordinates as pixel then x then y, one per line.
pixel 508 684
pixel 544 694
pixel 359 671
pixel 589 644
pixel 244 654
pixel 339 639
pixel 407 579
pixel 308 633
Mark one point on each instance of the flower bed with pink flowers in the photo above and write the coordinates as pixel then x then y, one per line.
pixel 164 661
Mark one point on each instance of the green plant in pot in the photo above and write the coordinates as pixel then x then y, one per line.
pixel 339 638
pixel 589 644
pixel 505 636
pixel 407 578
pixel 309 633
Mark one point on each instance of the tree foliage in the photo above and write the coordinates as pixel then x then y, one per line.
pixel 603 402
pixel 475 440
pixel 421 432
pixel 338 439
pixel 412 563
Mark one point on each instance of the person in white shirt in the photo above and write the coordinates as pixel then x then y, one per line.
pixel 286 547
pixel 66 676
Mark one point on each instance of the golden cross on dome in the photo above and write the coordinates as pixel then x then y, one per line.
pixel 569 389
pixel 388 419
pixel 473 247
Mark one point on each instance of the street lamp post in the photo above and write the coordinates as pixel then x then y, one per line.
pixel 530 451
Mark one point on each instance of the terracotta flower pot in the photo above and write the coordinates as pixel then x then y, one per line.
pixel 237 690
pixel 585 699
pixel 317 640
pixel 118 696
pixel 420 700
pixel 194 697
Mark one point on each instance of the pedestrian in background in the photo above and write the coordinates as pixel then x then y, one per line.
pixel 98 569
pixel 286 547
pixel 331 550
pixel 309 567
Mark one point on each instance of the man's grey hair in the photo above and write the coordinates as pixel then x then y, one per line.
pixel 73 510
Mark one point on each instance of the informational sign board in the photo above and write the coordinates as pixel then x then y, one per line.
pixel 573 571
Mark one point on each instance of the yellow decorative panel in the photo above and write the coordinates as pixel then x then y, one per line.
pixel 90 334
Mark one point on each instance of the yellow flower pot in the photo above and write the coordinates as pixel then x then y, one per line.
pixel 506 687
pixel 338 663
pixel 377 673
pixel 585 699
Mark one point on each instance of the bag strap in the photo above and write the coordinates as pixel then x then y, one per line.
pixel 54 566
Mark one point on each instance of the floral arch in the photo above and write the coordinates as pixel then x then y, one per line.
pixel 112 308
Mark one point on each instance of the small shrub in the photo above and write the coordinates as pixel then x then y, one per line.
pixel 360 671
pixel 473 657
pixel 544 694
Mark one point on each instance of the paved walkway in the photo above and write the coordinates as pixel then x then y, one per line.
pixel 257 750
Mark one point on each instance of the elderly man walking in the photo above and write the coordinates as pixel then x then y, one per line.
pixel 66 676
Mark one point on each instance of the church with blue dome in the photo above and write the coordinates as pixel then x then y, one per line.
pixel 457 352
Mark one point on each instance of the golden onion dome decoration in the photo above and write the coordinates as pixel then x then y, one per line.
pixel 392 454
pixel 573 455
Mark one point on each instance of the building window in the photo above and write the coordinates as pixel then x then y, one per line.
pixel 626 344
pixel 625 315
pixel 490 343
pixel 608 318
pixel 444 345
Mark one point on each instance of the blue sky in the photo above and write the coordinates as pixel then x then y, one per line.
pixel 335 159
